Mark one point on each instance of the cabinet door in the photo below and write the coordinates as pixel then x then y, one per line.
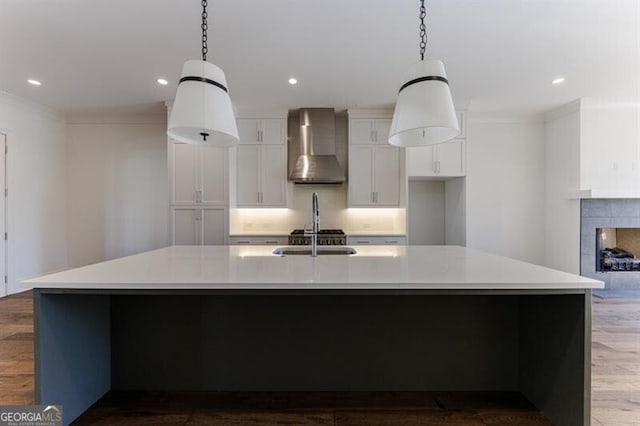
pixel 451 158
pixel 420 161
pixel 361 131
pixel 386 173
pixel 381 131
pixel 273 176
pixel 186 226
pixel 184 173
pixel 272 131
pixel 248 175
pixel 361 176
pixel 213 175
pixel 213 226
pixel 248 130
pixel 462 122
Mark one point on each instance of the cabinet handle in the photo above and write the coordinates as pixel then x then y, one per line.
pixel 434 167
pixel 376 196
pixel 199 196
pixel 196 215
pixel 438 166
pixel 243 242
pixel 375 136
pixel 271 242
pixel 261 136
pixel 362 242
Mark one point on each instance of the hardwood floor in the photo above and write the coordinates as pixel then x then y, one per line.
pixel 615 384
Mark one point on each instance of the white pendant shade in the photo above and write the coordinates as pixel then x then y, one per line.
pixel 424 113
pixel 202 112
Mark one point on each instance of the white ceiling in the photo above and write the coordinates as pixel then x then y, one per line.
pixel 499 54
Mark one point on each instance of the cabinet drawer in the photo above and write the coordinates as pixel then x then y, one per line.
pixel 378 240
pixel 251 240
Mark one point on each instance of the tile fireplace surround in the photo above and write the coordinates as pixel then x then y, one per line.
pixel 607 213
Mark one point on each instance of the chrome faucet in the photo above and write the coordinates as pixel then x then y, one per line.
pixel 315 224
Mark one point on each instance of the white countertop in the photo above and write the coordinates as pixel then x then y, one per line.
pixel 254 267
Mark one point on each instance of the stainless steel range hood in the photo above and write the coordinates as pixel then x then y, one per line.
pixel 315 156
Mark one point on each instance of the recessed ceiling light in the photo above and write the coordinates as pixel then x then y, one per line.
pixel 558 80
pixel 34 82
pixel 293 81
pixel 163 81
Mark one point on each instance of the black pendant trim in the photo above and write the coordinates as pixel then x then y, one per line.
pixel 203 80
pixel 421 79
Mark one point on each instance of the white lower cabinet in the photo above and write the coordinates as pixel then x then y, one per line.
pixel 199 226
pixel 280 240
pixel 391 240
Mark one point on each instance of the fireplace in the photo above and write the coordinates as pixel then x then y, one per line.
pixel 617 249
pixel 610 242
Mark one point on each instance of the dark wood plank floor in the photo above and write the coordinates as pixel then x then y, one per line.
pixel 616 388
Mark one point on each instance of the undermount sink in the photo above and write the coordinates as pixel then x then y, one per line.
pixel 303 250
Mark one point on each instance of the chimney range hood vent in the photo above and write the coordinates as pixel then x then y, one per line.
pixel 316 160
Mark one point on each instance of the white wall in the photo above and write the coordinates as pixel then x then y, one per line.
pixel 455 207
pixel 36 183
pixel 426 213
pixel 117 186
pixel 562 214
pixel 505 187
pixel 609 145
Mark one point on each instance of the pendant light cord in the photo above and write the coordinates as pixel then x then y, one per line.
pixel 423 30
pixel 204 27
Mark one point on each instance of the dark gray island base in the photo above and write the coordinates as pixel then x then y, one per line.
pixel 536 342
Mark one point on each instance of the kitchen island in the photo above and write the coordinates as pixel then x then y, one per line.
pixel 389 318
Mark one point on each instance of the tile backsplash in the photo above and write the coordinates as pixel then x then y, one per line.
pixel 333 214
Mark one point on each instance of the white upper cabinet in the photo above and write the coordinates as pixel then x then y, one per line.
pixel 268 131
pixel 374 165
pixel 198 174
pixel 447 159
pixel 367 131
pixel 261 167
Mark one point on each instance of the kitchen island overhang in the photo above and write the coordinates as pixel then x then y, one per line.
pixel 236 318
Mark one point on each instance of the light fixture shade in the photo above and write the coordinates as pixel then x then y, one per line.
pixel 424 113
pixel 202 112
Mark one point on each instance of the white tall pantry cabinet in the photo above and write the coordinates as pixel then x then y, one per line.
pixel 199 193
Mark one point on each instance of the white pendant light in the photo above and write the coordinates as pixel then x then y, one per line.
pixel 202 112
pixel 424 112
